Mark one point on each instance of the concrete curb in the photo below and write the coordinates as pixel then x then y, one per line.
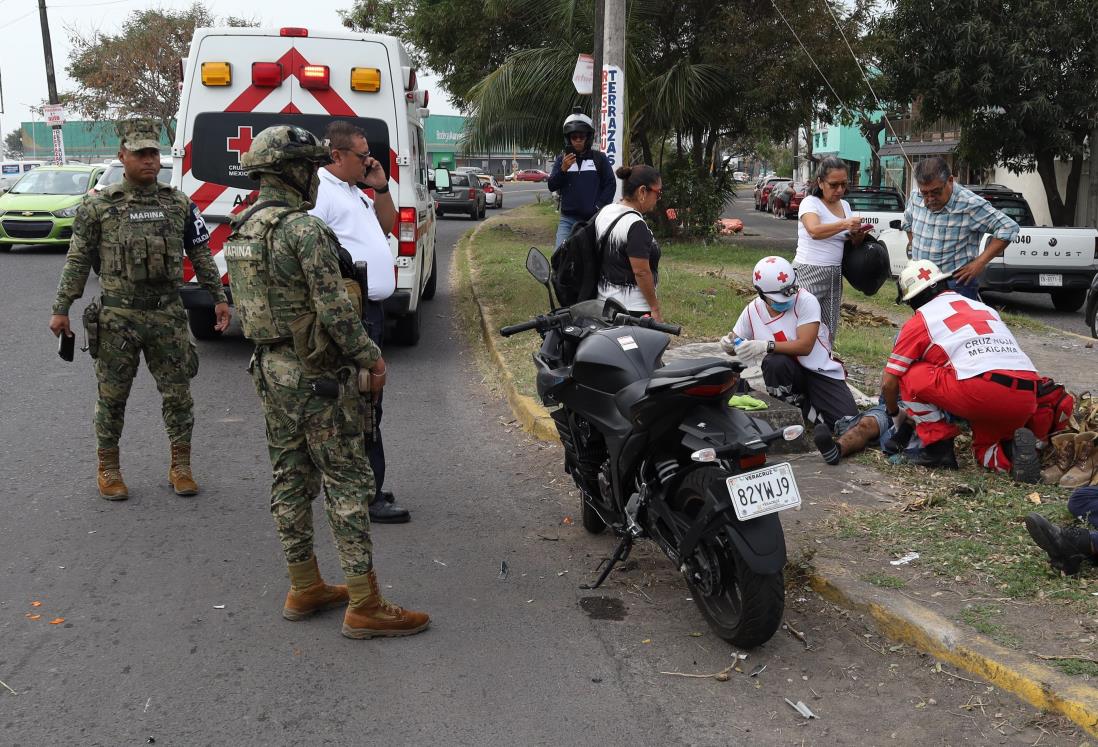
pixel 534 418
pixel 905 621
pixel 895 615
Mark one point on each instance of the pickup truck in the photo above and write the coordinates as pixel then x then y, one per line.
pixel 1056 260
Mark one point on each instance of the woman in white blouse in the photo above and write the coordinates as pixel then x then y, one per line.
pixel 825 223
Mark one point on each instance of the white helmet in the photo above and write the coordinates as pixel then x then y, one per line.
pixel 917 276
pixel 577 121
pixel 775 278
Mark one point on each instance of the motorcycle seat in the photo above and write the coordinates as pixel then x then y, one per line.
pixel 684 368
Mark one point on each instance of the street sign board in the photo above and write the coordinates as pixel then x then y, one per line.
pixel 54 114
pixel 584 75
pixel 610 119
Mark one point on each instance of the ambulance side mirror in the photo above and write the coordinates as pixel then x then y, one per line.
pixel 894 224
pixel 440 182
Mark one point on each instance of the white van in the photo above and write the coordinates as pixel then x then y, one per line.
pixel 239 81
pixel 12 171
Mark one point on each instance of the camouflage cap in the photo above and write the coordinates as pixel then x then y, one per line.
pixel 280 144
pixel 138 134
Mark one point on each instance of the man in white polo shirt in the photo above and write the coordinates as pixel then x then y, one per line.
pixel 362 225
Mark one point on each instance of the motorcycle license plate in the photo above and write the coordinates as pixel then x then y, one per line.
pixel 1050 281
pixel 763 491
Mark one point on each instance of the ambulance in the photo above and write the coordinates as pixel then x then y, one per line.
pixel 238 81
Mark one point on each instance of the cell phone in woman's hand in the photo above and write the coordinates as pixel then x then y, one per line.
pixel 866 227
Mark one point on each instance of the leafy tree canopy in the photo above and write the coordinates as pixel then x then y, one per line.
pixel 136 71
pixel 1020 78
pixel 13 144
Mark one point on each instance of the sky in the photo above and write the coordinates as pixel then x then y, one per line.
pixel 23 67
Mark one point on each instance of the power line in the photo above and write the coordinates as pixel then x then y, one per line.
pixel 812 60
pixel 861 69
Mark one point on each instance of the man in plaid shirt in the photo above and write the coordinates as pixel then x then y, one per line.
pixel 945 222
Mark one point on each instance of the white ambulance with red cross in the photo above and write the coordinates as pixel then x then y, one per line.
pixel 238 81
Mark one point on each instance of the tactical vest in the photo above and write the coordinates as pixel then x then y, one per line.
pixel 141 235
pixel 266 308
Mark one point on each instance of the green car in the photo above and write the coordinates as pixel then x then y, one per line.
pixel 39 208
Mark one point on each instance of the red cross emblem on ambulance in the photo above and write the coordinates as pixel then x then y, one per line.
pixel 240 144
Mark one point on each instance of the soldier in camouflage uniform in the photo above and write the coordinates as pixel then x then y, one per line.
pixel 137 231
pixel 313 362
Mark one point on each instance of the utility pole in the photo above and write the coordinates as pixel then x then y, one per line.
pixel 1092 164
pixel 51 81
pixel 613 119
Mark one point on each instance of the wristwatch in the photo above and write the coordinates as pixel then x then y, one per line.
pixel 770 346
pixel 892 414
pixel 381 190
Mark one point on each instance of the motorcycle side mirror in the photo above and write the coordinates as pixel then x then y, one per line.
pixel 537 265
pixel 611 308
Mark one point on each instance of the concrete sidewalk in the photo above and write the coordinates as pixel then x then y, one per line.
pixel 897 616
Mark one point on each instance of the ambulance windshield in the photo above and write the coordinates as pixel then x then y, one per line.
pixel 220 138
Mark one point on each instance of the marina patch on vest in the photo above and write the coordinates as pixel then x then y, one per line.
pixel 239 251
pixel 147 215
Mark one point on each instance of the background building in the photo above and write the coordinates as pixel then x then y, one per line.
pixel 443 135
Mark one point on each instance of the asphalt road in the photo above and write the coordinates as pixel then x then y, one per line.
pixel 764 228
pixel 167 608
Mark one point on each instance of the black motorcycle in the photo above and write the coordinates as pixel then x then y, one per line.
pixel 657 453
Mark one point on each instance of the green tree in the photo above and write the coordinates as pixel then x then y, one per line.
pixel 1020 78
pixel 136 71
pixel 13 144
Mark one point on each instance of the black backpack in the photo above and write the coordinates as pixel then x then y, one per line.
pixel 577 262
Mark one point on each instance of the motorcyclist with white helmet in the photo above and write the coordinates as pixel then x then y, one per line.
pixel 783 326
pixel 582 176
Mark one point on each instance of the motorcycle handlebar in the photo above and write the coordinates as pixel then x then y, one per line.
pixel 514 329
pixel 647 322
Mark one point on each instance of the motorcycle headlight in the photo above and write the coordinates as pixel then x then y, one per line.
pixel 69 212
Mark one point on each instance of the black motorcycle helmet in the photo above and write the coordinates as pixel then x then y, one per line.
pixel 577 121
pixel 866 267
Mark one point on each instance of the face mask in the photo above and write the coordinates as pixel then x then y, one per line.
pixel 783 305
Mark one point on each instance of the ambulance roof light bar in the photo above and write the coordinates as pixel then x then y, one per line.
pixel 293 31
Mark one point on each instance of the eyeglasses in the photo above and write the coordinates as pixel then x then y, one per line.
pixel 657 192
pixel 361 156
pixel 838 185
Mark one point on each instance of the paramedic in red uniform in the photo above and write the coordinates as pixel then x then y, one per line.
pixel 956 355
pixel 785 325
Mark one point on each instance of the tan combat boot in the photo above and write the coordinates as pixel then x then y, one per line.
pixel 369 615
pixel 1061 458
pixel 1086 462
pixel 109 476
pixel 308 592
pixel 179 473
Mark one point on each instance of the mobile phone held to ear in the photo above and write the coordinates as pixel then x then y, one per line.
pixel 66 346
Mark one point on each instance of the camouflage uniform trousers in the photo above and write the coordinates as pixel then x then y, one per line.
pixel 172 360
pixel 313 442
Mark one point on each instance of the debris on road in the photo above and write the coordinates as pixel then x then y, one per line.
pixel 57 621
pixel 219 606
pixel 503 569
pixel 797 634
pixel 6 687
pixel 801 708
pixel 907 558
pixel 1034 498
pixel 441 563
pixel 759 669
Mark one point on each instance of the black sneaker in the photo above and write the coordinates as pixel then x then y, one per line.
pixel 1067 547
pixel 938 455
pixel 829 450
pixel 1025 465
pixel 899 439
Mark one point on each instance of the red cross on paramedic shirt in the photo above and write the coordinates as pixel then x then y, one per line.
pixel 240 144
pixel 968 316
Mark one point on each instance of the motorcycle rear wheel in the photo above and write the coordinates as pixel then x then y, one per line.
pixel 741 606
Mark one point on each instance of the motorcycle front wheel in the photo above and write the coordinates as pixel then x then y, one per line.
pixel 742 607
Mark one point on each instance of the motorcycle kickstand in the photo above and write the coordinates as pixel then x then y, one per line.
pixel 620 554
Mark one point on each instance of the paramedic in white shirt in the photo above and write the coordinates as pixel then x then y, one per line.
pixel 362 225
pixel 784 325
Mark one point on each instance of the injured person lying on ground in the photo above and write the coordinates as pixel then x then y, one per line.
pixel 871 428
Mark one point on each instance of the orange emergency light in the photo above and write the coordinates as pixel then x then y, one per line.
pixel 366 79
pixel 314 77
pixel 217 74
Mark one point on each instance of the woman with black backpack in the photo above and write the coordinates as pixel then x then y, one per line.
pixel 631 258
